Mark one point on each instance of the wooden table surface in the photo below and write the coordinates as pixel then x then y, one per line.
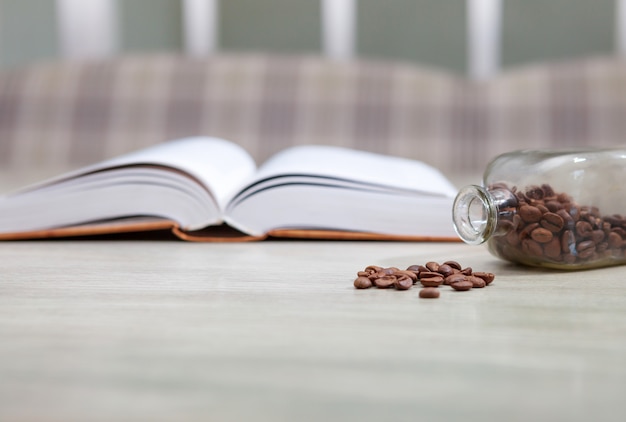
pixel 274 331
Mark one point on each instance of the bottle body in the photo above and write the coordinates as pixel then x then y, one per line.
pixel 558 209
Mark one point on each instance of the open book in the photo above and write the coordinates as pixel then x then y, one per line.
pixel 210 189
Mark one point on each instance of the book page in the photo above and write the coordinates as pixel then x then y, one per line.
pixel 220 165
pixel 358 166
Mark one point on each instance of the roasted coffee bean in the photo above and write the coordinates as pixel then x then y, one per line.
pixel 597 236
pixel 614 220
pixel 541 235
pixel 405 279
pixel 526 231
pixel 433 281
pixel 385 281
pixel 602 247
pixel 362 283
pixel 547 191
pixel 445 270
pixel 403 282
pixel 568 221
pixel 615 240
pixel 432 266
pixel 454 278
pixel 462 285
pixel 477 282
pixel 583 229
pixel 513 238
pixel 568 241
pixel 585 249
pixel 488 277
pixel 551 221
pixel 554 206
pixel 530 214
pixel 429 293
pixel 552 249
pixel 429 274
pixel 373 268
pixel 551 226
pixel 417 268
pixel 455 265
pixel 409 274
pixel 531 247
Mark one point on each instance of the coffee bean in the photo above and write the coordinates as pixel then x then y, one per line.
pixel 433 281
pixel 432 266
pixel 552 249
pixel 552 222
pixel 615 240
pixel 373 268
pixel 459 279
pixel 477 282
pixel 362 283
pixel 532 247
pixel 583 229
pixel 552 227
pixel 586 248
pixel 416 268
pixel 385 281
pixel 541 235
pixel 597 236
pixel 409 274
pixel 403 282
pixel 568 241
pixel 455 265
pixel 445 270
pixel 488 277
pixel 429 293
pixel 568 221
pixel 513 238
pixel 529 213
pixel 526 231
pixel 454 278
pixel 535 192
pixel 554 206
pixel 462 285
pixel 429 274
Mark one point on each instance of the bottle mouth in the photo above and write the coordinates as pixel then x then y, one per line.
pixel 474 214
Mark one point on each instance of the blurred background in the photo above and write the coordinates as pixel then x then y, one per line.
pixel 85 80
pixel 428 32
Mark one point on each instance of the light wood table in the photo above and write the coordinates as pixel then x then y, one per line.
pixel 274 331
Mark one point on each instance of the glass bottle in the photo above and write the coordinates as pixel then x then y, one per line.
pixel 549 208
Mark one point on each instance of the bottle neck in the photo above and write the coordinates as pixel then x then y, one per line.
pixel 476 212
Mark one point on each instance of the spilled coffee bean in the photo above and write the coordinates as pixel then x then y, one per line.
pixel 430 275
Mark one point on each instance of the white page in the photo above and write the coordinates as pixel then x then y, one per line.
pixel 360 166
pixel 219 164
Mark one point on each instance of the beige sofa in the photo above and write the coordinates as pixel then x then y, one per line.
pixel 63 115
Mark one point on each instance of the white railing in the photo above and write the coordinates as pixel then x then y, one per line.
pixel 87 29
pixel 200 26
pixel 483 37
pixel 91 29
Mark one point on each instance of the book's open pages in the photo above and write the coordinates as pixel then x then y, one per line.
pixel 331 188
pixel 197 183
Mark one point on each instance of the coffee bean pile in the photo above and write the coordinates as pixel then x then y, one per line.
pixel 540 224
pixel 430 276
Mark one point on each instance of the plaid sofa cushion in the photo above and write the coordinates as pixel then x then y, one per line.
pixel 70 114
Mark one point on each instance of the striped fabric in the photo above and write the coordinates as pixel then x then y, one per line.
pixel 70 114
